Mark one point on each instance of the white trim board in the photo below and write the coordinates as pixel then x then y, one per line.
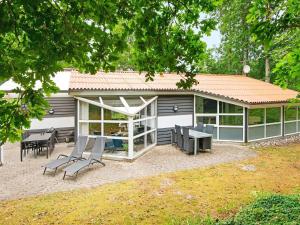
pixel 56 122
pixel 170 121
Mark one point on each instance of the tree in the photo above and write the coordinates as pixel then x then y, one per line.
pixel 236 48
pixel 36 37
pixel 268 20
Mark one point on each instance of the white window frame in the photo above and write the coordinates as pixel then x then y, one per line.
pixel 130 122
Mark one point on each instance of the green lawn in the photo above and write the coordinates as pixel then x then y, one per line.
pixel 217 191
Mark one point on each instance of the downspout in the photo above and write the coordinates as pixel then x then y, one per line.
pixel 246 126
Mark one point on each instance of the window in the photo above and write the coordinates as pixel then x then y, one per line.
pixel 273 115
pixel 256 116
pixel 206 119
pixel 290 113
pixel 94 112
pixel 231 120
pixel 229 108
pixel 205 105
pixel 111 115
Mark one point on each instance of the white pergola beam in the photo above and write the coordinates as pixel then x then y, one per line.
pixel 143 99
pixel 101 100
pixel 105 106
pixel 117 109
pixel 127 107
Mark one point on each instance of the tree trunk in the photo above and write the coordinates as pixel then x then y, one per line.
pixel 267 69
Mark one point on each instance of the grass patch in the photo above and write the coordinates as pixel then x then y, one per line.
pixel 215 192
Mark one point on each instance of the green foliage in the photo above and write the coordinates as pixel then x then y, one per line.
pixel 273 209
pixel 39 38
pixel 275 26
pixel 268 210
pixel 236 48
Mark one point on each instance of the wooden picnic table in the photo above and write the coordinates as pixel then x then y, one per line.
pixel 36 139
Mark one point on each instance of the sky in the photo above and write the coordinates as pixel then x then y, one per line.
pixel 213 40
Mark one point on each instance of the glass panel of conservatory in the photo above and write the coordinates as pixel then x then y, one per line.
pixel 151 138
pixel 256 116
pixel 116 146
pixel 139 143
pixel 150 110
pixel 134 101
pixel 231 120
pixel 94 128
pixel 206 119
pixel 229 108
pixel 111 115
pixel 94 112
pixel 139 127
pixel 290 113
pixel 290 127
pixel 215 133
pixel 113 101
pixel 273 115
pixel 273 130
pixel 151 124
pixel 231 133
pixel 205 105
pixel 116 129
pixel 256 132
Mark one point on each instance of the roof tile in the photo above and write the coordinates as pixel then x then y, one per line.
pixel 235 87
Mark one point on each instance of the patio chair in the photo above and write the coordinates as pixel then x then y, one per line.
pixel 173 137
pixel 95 157
pixel 188 143
pixel 179 136
pixel 209 129
pixel 199 127
pixel 64 159
pixel 207 142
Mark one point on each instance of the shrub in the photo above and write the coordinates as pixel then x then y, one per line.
pixel 272 209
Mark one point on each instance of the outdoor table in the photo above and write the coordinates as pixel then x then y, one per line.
pixel 36 138
pixel 198 135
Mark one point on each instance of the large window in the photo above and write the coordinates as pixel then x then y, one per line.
pixel 229 108
pixel 205 105
pixel 228 119
pixel 273 115
pixel 231 120
pixel 291 115
pixel 256 116
pixel 129 123
pixel 264 123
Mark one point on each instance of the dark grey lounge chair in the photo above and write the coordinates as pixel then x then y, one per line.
pixel 64 159
pixel 188 143
pixel 95 157
pixel 179 136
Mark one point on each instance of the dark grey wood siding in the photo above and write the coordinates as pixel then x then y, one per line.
pixel 184 103
pixel 63 106
pixel 164 136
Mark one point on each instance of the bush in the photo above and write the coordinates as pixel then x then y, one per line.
pixel 272 209
pixel 268 210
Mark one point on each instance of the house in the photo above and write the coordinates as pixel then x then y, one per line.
pixel 136 115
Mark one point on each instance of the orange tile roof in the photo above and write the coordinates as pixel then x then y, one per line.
pixel 234 87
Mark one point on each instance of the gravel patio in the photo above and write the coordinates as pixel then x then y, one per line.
pixel 21 179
